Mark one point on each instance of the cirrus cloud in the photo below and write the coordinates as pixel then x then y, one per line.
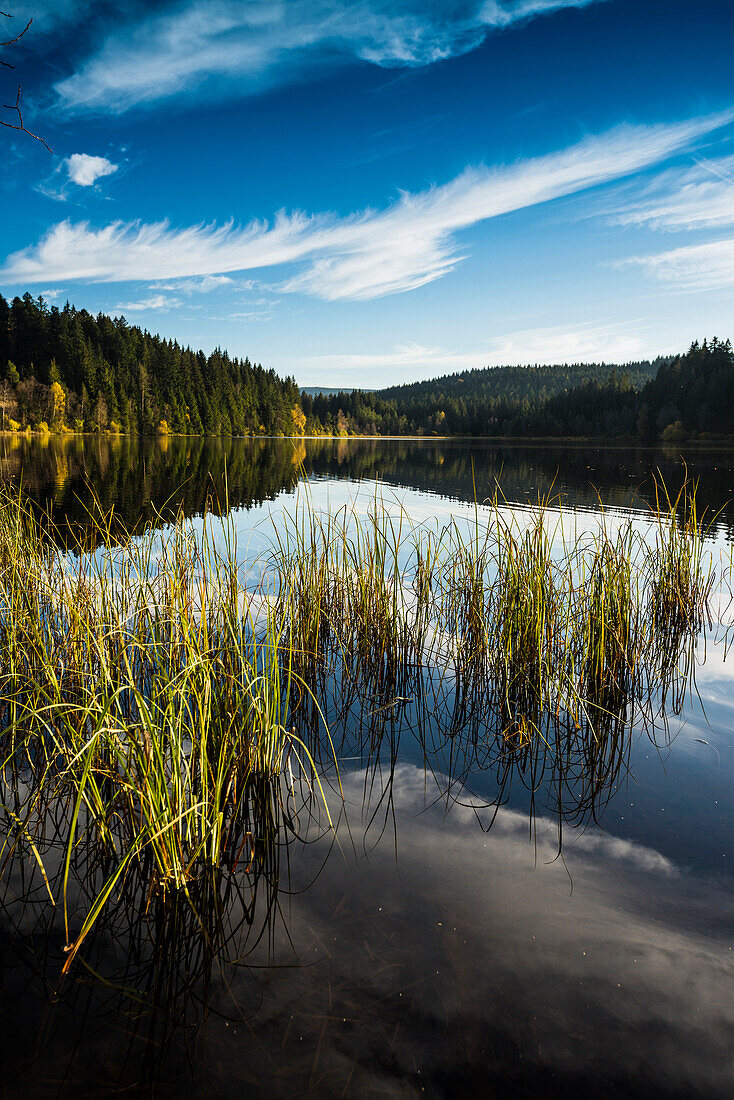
pixel 154 302
pixel 707 266
pixel 595 341
pixel 369 254
pixel 699 196
pixel 198 45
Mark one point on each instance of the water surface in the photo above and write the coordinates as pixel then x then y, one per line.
pixel 461 933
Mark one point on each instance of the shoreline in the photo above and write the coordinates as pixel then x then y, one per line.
pixel 526 441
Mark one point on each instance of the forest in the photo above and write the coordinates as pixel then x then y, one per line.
pixel 64 370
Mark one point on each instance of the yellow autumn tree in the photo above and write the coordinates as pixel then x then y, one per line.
pixel 59 406
pixel 299 420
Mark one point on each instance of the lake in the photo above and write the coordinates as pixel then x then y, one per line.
pixel 468 927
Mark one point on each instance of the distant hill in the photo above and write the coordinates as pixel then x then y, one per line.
pixel 67 370
pixel 313 391
pixel 508 400
pixel 675 397
pixel 535 383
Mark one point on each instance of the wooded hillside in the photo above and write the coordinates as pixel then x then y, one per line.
pixel 64 369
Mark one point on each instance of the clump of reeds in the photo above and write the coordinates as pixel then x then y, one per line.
pixel 357 620
pixel 524 625
pixel 608 626
pixel 467 594
pixel 149 690
pixel 305 595
pixel 681 580
pixel 525 610
pixel 144 687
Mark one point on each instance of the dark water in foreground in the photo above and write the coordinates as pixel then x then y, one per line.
pixel 432 947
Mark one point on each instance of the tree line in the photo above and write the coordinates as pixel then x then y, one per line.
pixel 669 398
pixel 67 370
pixel 64 368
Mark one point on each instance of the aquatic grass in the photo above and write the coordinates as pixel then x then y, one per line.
pixel 524 638
pixel 466 616
pixel 609 627
pixel 140 688
pixel 521 621
pixel 681 578
pixel 354 608
pixel 179 718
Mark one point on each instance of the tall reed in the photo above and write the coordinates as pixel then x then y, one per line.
pixel 148 689
pixel 183 714
pixel 525 610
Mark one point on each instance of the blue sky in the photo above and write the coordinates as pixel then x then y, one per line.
pixel 374 191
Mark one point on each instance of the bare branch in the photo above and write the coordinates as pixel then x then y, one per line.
pixel 18 36
pixel 10 41
pixel 19 125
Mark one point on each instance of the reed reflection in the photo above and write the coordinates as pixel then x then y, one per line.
pixel 174 738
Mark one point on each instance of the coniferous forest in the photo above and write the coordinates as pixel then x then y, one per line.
pixel 66 370
pixel 63 367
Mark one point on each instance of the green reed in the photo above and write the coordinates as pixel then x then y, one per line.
pixel 146 688
pixel 152 691
pixel 525 609
pixel 608 625
pixel 681 579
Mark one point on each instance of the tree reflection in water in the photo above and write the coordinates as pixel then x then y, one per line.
pixel 275 974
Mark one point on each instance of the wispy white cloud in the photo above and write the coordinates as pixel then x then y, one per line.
pixel 154 302
pixel 592 342
pixel 252 315
pixel 197 286
pixel 708 266
pixel 85 170
pixel 684 200
pixel 78 170
pixel 699 196
pixel 366 255
pixel 412 794
pixel 198 44
pixel 644 972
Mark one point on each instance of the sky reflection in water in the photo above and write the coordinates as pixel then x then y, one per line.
pixel 425 952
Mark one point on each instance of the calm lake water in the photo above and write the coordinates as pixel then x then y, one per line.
pixel 463 932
